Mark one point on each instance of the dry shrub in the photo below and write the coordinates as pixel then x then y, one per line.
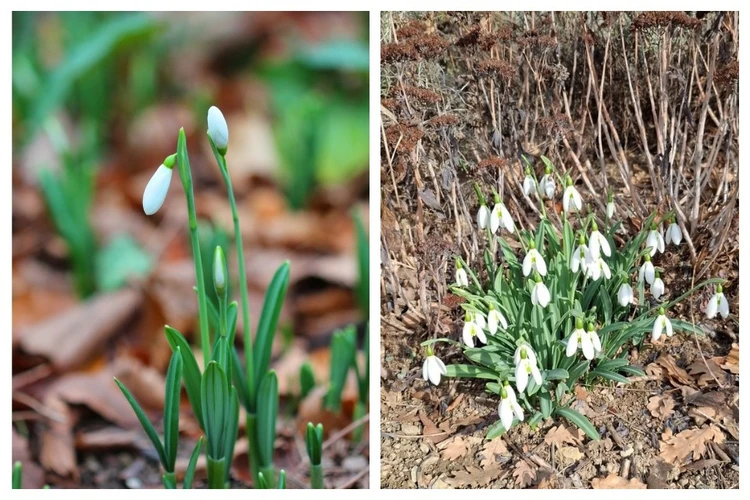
pixel 444 121
pixel 495 67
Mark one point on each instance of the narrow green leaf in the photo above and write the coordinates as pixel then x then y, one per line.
pixel 306 379
pixel 470 371
pixel 187 483
pixel 172 409
pixel 145 423
pixel 269 317
pixel 215 400
pixel 190 371
pixel 240 380
pixel 268 407
pixel 495 430
pixel 579 420
pixel 556 374
pixel 232 425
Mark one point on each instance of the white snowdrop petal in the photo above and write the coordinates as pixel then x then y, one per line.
pixel 156 190
pixel 587 347
pixel 658 327
pixel 217 127
pixel 713 306
pixel 506 414
pixel 522 376
pixel 723 306
pixel 572 345
pixel 668 326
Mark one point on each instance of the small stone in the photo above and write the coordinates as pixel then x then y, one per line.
pixel 133 483
pixel 627 452
pixel 439 484
pixel 411 429
pixel 355 463
pixel 414 471
pixel 424 448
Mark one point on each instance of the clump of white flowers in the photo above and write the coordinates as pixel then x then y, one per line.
pixel 542 314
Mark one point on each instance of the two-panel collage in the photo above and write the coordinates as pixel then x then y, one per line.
pixel 375 250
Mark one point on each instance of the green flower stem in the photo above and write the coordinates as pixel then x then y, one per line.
pixel 169 480
pixel 359 412
pixel 183 165
pixel 17 476
pixel 269 473
pixel 247 336
pixel 216 473
pixel 316 477
pixel 251 429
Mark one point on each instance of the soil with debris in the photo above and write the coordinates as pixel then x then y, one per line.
pixel 677 427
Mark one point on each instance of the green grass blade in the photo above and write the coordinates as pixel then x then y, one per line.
pixel 172 409
pixel 145 423
pixel 269 318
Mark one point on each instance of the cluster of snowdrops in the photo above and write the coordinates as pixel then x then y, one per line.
pixel 564 313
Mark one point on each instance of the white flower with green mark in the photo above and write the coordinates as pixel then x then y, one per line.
pixel 509 406
pixel 483 216
pixel 588 341
pixel 529 184
pixel 539 294
pixel 547 184
pixel 581 256
pixel 674 234
pixel 647 271
pixel 625 295
pixel 472 329
pixel 462 279
pixel 718 303
pixel 598 243
pixel 598 269
pixel 433 368
pixel 534 261
pixel 654 240
pixel 571 197
pixel 525 360
pixel 495 319
pixel 217 129
pixel 610 209
pixel 500 217
pixel 157 188
pixel 662 323
pixel 657 288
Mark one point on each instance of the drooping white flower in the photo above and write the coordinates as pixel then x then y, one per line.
pixel 674 234
pixel 540 294
pixel 433 367
pixel 718 303
pixel 156 189
pixel 509 406
pixel 479 319
pixel 647 271
pixel 571 198
pixel 547 184
pixel 657 287
pixel 655 241
pixel 625 295
pixel 581 257
pixel 462 279
pixel 483 216
pixel 610 209
pixel 588 341
pixel 471 330
pixel 597 243
pixel 529 184
pixel 217 129
pixel 494 319
pixel 661 323
pixel 525 360
pixel 598 269
pixel 534 261
pixel 500 217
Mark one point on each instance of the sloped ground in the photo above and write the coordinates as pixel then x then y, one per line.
pixel 675 428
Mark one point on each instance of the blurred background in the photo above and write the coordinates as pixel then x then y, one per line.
pixel 98 99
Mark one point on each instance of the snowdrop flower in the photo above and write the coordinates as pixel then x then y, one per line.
pixel 534 260
pixel 539 294
pixel 494 319
pixel 478 318
pixel 647 271
pixel 655 240
pixel 500 217
pixel 547 184
pixel 483 216
pixel 597 243
pixel 529 184
pixel 597 269
pixel 433 367
pixel 471 330
pixel 588 341
pixel 657 287
pixel 661 323
pixel 525 360
pixel 571 197
pixel 718 303
pixel 581 256
pixel 157 187
pixel 461 278
pixel 217 129
pixel 509 406
pixel 625 295
pixel 674 234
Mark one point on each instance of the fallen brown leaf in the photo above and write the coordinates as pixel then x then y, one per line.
pixel 661 406
pixel 57 450
pixel 667 365
pixel 675 449
pixel 708 373
pixel 564 434
pixel 73 337
pixel 568 455
pixel 431 431
pixel 524 474
pixel 731 362
pixel 454 449
pixel 615 482
pixel 475 477
pixel 492 448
